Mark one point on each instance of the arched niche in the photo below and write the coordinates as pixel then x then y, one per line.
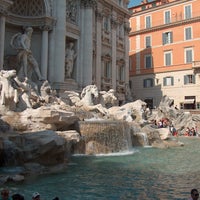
pixel 35 13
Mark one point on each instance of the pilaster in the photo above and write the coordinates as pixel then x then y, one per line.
pixel 4 4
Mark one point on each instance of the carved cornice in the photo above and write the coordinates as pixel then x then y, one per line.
pixel 99 15
pixel 3 12
pixel 88 3
pixel 4 5
pixel 31 21
pixel 46 28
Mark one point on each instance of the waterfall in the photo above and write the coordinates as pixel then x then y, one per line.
pixel 145 139
pixel 101 137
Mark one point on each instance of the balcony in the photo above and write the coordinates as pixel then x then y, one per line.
pixel 196 66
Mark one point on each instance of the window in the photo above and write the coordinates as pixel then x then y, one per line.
pixel 168 58
pixel 148 21
pixel 189 79
pixel 198 105
pixel 121 30
pixel 106 24
pixel 107 69
pixel 188 12
pixel 154 4
pixel 148 82
pixel 188 33
pixel 130 84
pixel 168 81
pixel 167 17
pixel 148 61
pixel 121 73
pixel 188 55
pixel 148 41
pixel 143 7
pixel 167 38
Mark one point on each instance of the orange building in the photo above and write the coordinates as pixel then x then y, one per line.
pixel 165 52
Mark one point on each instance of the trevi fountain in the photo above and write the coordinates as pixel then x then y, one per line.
pixel 84 144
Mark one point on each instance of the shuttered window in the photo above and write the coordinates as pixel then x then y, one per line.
pixel 148 21
pixel 188 55
pixel 148 41
pixel 188 12
pixel 167 17
pixel 167 38
pixel 148 83
pixel 168 81
pixel 168 58
pixel 189 79
pixel 148 61
pixel 188 33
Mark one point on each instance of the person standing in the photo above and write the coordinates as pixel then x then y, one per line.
pixel 194 194
pixel 36 196
pixel 5 195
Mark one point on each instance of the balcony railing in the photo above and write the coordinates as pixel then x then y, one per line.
pixel 196 64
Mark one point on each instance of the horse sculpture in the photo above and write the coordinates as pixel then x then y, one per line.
pixel 88 95
pixel 86 100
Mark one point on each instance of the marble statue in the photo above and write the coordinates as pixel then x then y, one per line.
pixel 9 92
pixel 47 93
pixel 108 99
pixel 22 43
pixel 70 56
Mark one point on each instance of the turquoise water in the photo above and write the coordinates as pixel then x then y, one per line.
pixel 146 173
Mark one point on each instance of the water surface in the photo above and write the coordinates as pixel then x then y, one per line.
pixel 145 173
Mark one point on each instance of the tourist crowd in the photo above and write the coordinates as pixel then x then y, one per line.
pixel 164 123
pixel 5 195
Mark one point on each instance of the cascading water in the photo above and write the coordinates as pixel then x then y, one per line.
pixel 145 139
pixel 101 137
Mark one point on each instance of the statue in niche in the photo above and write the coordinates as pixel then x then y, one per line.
pixel 70 56
pixel 71 11
pixel 22 43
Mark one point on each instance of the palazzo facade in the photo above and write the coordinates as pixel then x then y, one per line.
pixel 98 30
pixel 165 52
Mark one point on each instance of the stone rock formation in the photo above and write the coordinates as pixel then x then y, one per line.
pixel 46 132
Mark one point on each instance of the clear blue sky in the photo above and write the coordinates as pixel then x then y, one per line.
pixel 135 2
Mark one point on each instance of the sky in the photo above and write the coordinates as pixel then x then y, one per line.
pixel 135 3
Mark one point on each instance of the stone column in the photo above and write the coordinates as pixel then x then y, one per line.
pixel 4 4
pixel 127 30
pixel 2 38
pixel 57 44
pixel 44 53
pixel 98 49
pixel 114 53
pixel 86 41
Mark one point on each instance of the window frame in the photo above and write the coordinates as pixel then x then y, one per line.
pixel 165 21
pixel 185 31
pixel 185 12
pixel 148 83
pixel 150 22
pixel 148 46
pixel 165 81
pixel 171 58
pixel 167 37
pixel 189 79
pixel 185 55
pixel 145 61
pixel 107 69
